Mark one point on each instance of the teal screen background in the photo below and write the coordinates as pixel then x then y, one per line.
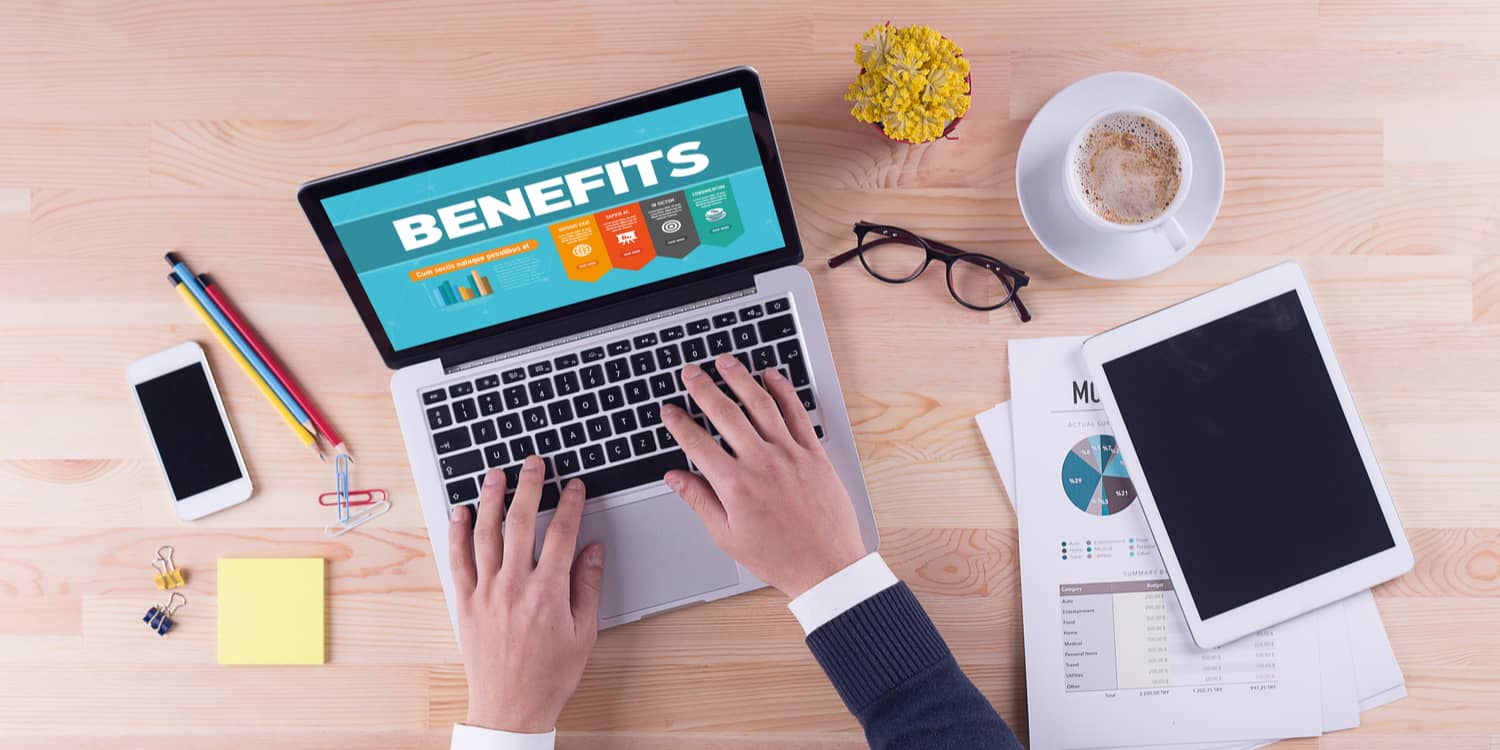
pixel 418 312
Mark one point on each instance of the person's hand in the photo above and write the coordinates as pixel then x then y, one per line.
pixel 527 627
pixel 776 505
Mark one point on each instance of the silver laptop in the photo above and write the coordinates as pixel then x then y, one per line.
pixel 537 290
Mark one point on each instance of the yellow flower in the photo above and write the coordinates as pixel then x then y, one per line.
pixel 914 82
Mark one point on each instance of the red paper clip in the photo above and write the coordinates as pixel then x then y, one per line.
pixel 356 497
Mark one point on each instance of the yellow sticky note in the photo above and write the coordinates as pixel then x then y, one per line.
pixel 271 610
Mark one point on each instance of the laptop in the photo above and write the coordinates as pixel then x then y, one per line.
pixel 537 290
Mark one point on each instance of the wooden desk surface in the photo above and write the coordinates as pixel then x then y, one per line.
pixel 1360 139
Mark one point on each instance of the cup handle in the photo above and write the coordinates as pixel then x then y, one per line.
pixel 1171 230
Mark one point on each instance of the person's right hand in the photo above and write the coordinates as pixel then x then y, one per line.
pixel 776 505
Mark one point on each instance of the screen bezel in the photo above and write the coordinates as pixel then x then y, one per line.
pixel 1310 593
pixel 212 499
pixel 743 79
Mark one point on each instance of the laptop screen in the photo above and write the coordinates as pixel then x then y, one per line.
pixel 559 221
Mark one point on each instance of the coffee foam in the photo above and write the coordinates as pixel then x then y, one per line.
pixel 1128 169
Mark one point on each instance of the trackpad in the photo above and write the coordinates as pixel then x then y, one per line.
pixel 655 551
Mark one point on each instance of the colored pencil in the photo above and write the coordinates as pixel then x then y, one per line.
pixel 265 389
pixel 238 321
pixel 185 275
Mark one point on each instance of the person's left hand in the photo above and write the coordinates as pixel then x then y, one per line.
pixel 527 627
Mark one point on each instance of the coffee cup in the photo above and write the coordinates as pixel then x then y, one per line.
pixel 1128 169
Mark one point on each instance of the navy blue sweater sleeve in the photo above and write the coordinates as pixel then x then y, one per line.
pixel 897 676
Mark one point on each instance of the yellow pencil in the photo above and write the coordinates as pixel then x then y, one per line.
pixel 302 433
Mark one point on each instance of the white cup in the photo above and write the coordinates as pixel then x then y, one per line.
pixel 1165 225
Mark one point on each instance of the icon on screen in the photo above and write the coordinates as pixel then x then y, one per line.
pixel 582 249
pixel 715 214
pixel 671 225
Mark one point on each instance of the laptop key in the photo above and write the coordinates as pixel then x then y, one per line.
pixel 778 306
pixel 663 384
pixel 460 464
pixel 566 463
pixel 619 347
pixel 593 355
pixel 565 361
pixel 672 334
pixel 534 418
pixel 744 337
pixel 677 401
pixel 623 421
pixel 665 439
pixel 598 428
pixel 591 456
pixel 460 389
pixel 752 312
pixel 539 368
pixel 489 403
pixel 718 343
pixel 448 441
pixel 464 410
pixel 510 424
pixel 724 319
pixel 487 382
pixel 560 411
pixel 513 376
pixel 592 376
pixel 550 496
pixel 515 397
pixel 541 390
pixel 484 432
pixel 462 491
pixel 818 430
pixel 642 443
pixel 697 326
pixel 649 414
pixel 431 397
pixel 668 357
pixel 548 442
pixel 567 384
pixel 636 391
pixel 778 327
pixel 573 434
pixel 586 405
pixel 642 363
pixel 694 350
pixel 644 340
pixel 618 450
pixel 743 358
pixel 611 398
pixel 439 417
pixel 634 474
pixel 496 455
pixel 617 369
pixel 763 358
pixel 520 448
pixel 806 397
pixel 790 354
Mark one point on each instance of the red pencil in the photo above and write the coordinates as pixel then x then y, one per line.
pixel 276 369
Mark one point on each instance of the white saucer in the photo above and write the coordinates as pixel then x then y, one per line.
pixel 1044 203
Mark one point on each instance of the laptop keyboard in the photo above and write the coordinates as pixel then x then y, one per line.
pixel 595 413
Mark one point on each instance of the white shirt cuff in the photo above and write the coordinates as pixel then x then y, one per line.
pixel 466 737
pixel 842 591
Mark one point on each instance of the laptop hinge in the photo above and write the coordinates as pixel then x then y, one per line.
pixel 564 331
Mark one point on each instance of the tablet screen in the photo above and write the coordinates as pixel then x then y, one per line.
pixel 1255 474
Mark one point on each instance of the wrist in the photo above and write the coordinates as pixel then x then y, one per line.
pixel 510 721
pixel 822 571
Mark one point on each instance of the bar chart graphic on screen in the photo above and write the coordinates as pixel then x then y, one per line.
pixel 473 286
pixel 1094 477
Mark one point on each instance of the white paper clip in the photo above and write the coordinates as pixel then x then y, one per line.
pixel 348 520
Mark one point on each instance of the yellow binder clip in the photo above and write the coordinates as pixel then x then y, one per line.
pixel 168 576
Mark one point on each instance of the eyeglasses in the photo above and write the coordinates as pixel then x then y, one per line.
pixel 976 281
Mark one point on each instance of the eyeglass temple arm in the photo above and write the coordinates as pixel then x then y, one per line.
pixel 842 258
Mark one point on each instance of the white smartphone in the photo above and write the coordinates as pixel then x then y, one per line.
pixel 190 431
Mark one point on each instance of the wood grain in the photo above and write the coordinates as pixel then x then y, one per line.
pixel 1358 139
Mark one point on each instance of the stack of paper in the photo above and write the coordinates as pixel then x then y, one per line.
pixel 1109 660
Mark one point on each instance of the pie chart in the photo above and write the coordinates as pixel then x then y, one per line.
pixel 1094 478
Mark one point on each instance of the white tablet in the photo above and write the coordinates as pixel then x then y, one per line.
pixel 1249 459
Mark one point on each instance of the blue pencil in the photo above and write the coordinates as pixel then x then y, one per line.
pixel 191 282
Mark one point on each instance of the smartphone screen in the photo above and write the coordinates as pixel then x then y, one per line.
pixel 190 436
